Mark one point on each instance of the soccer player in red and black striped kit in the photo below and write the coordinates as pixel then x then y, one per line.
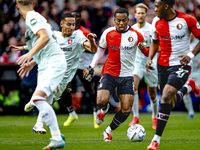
pixel 171 31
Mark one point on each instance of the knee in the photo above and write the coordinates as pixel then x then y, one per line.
pixel 152 96
pixel 102 100
pixel 126 111
pixel 167 97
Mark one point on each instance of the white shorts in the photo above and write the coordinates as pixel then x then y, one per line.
pixel 69 75
pixel 51 76
pixel 151 80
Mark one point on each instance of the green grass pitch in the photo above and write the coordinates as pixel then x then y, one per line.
pixel 180 134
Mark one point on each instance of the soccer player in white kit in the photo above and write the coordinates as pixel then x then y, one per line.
pixel 140 70
pixel 73 43
pixel 171 32
pixel 44 49
pixel 84 61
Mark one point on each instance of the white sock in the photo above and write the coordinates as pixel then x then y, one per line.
pixel 156 138
pixel 188 104
pixel 189 88
pixel 49 117
pixel 108 130
pixel 94 113
pixel 73 114
pixel 154 107
pixel 135 109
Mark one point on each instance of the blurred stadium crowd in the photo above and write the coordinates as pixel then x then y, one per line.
pixel 96 16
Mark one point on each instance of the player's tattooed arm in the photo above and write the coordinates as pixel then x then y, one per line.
pixel 91 45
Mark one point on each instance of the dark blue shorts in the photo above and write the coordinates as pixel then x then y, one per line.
pixel 124 84
pixel 173 75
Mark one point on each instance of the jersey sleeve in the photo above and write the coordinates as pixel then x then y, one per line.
pixel 153 32
pixel 82 39
pixel 140 37
pixel 34 23
pixel 103 42
pixel 193 26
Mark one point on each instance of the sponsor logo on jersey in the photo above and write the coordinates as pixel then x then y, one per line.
pixel 111 37
pixel 70 41
pixel 66 49
pixel 121 47
pixel 179 26
pixel 33 21
pixel 130 39
pixel 172 37
pixel 198 26
pixel 145 34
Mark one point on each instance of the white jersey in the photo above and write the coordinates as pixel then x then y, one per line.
pixel 34 23
pixel 73 48
pixel 140 59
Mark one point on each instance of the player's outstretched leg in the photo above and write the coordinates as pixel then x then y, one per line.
pixel 165 109
pixel 101 114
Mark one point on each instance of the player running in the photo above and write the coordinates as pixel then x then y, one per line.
pixel 140 71
pixel 73 44
pixel 122 41
pixel 44 49
pixel 84 61
pixel 171 30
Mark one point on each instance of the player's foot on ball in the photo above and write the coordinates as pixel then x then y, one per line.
pixel 190 116
pixel 38 128
pixel 154 123
pixel 29 106
pixel 135 120
pixel 194 87
pixel 70 119
pixel 96 126
pixel 101 114
pixel 153 146
pixel 107 137
pixel 54 144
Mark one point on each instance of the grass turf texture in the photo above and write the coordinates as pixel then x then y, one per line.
pixel 180 134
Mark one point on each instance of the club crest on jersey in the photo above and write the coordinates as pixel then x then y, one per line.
pixel 33 21
pixel 179 26
pixel 130 39
pixel 198 26
pixel 70 41
pixel 145 34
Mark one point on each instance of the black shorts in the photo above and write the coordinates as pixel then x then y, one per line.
pixel 124 84
pixel 173 75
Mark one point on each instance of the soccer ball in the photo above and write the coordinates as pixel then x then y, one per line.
pixel 136 133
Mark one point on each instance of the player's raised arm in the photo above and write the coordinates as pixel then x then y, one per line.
pixel 91 45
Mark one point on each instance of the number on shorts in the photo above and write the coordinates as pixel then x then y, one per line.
pixel 181 72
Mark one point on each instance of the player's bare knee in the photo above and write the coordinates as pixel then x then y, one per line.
pixel 126 111
pixel 167 97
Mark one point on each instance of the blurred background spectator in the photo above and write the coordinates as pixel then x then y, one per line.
pixel 97 15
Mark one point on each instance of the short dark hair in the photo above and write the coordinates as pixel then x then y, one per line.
pixel 67 15
pixel 169 2
pixel 24 2
pixel 121 10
